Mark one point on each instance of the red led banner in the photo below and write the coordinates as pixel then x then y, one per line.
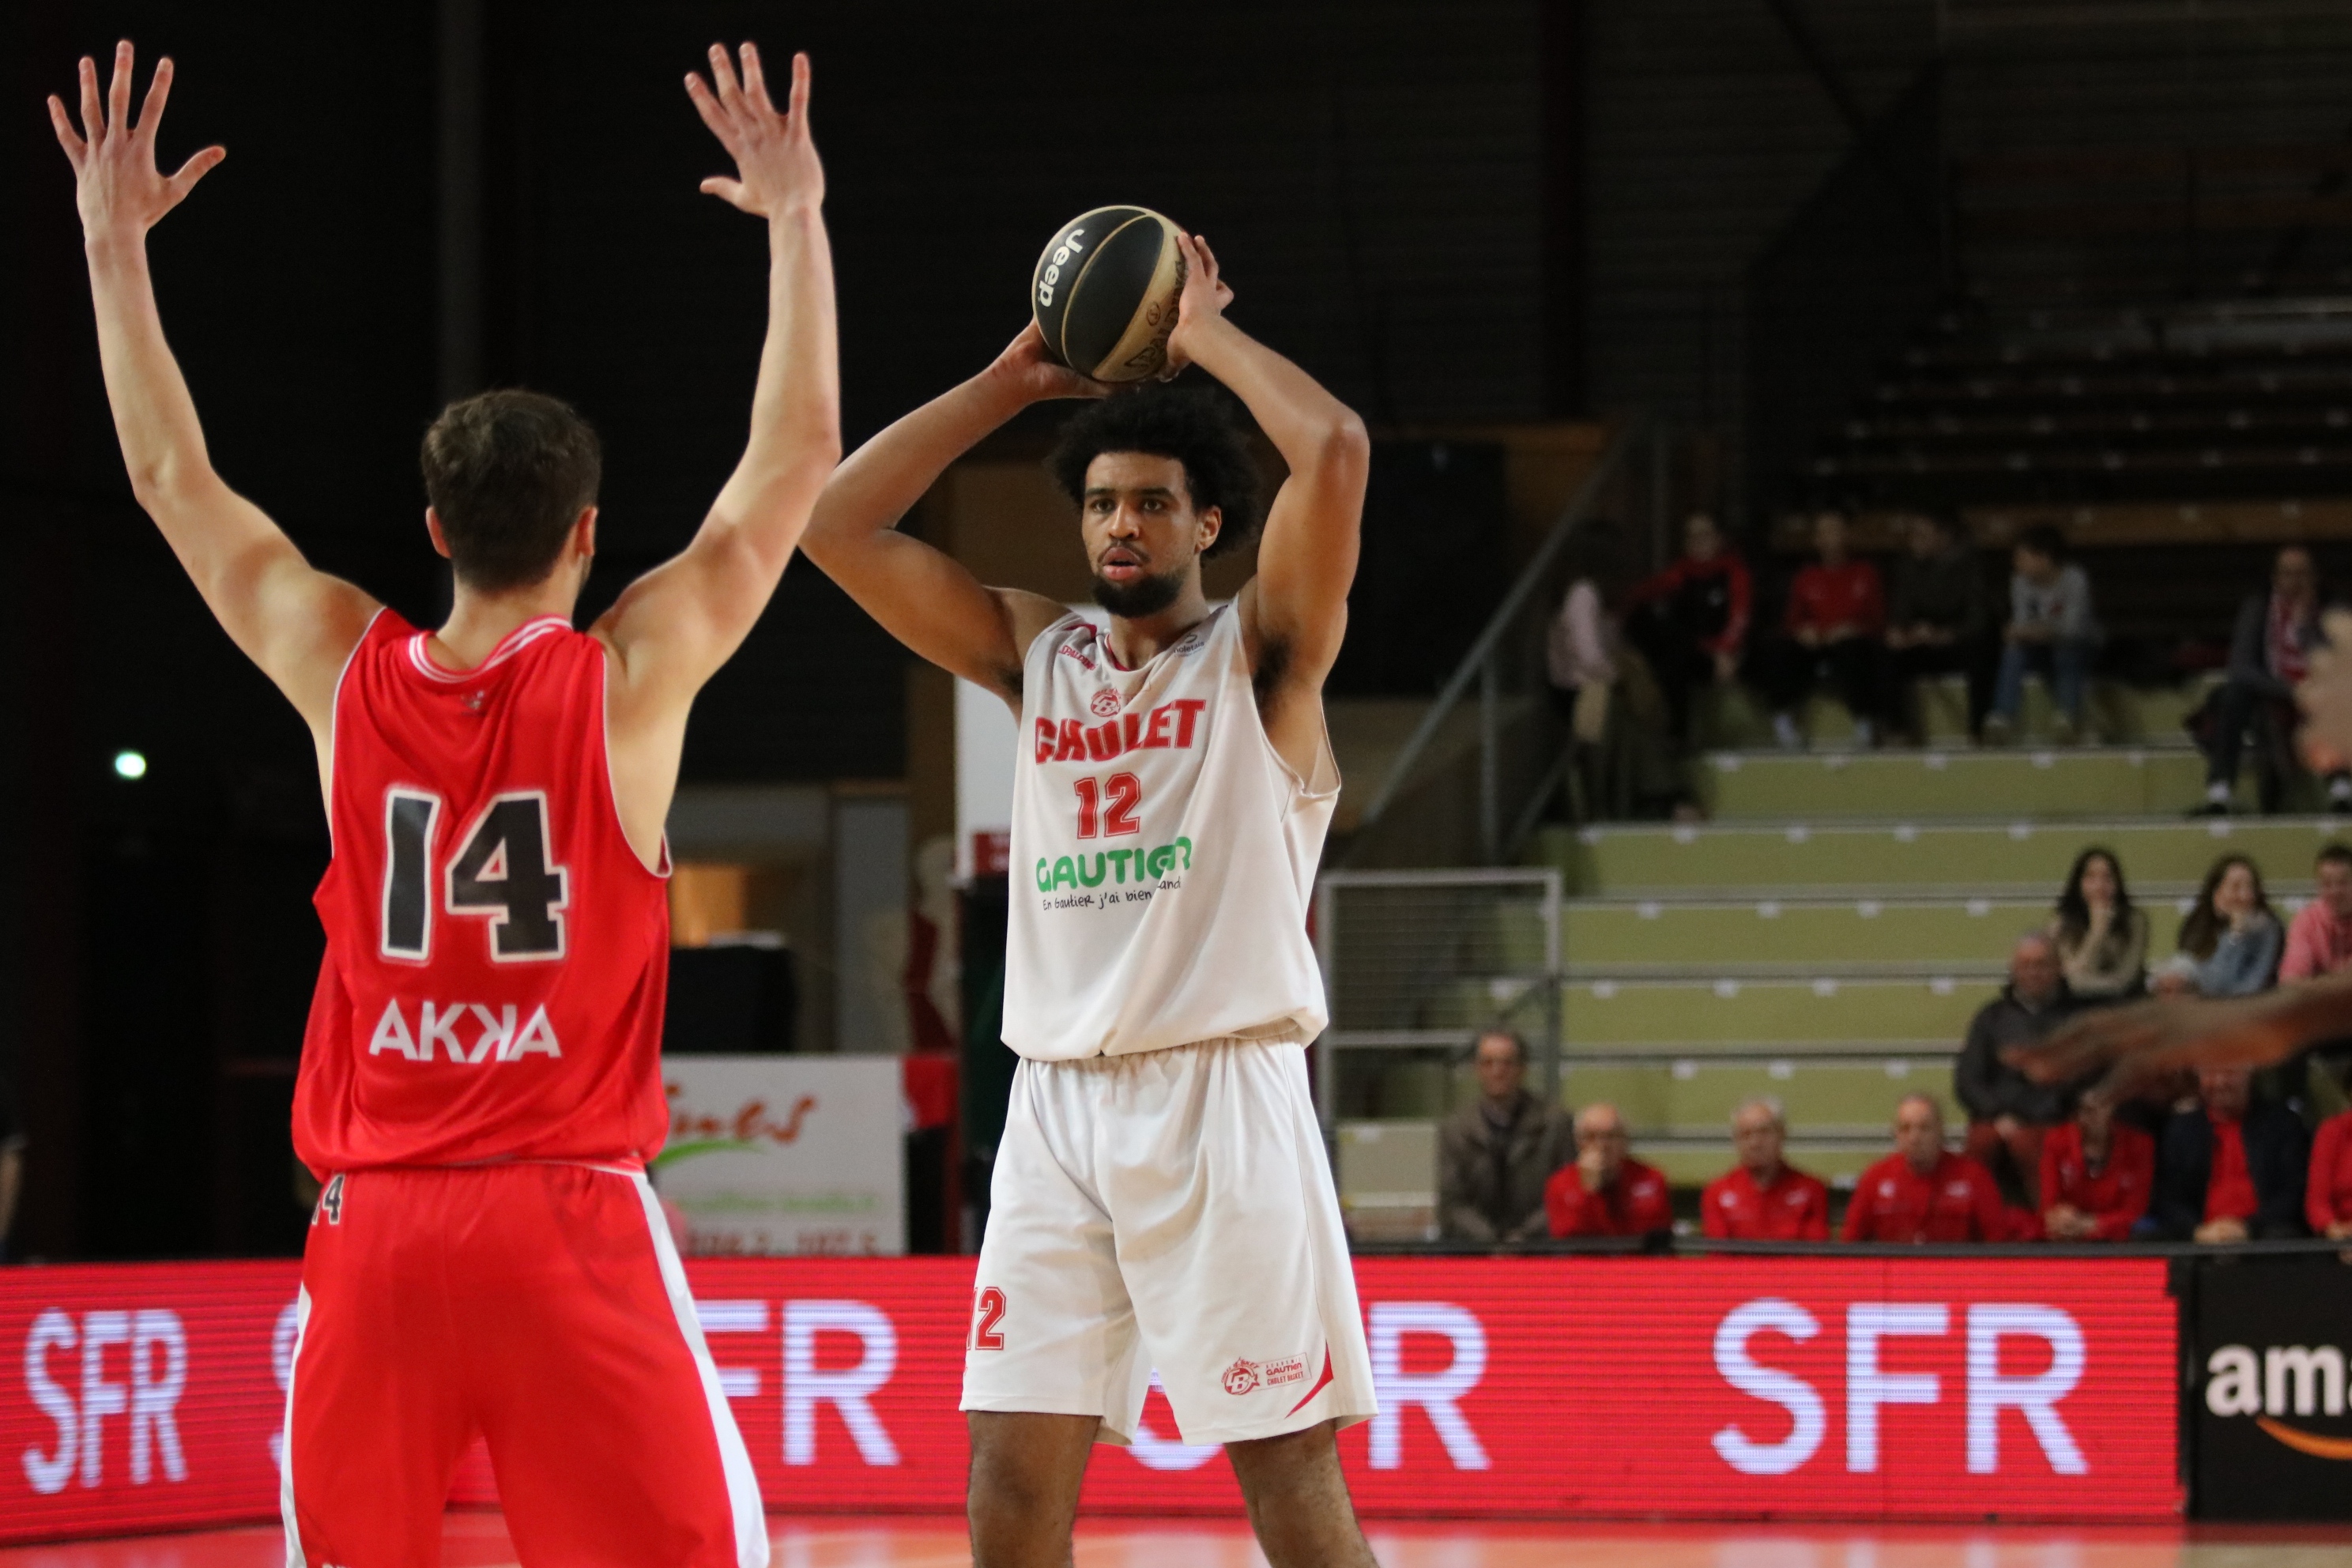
pixel 151 1396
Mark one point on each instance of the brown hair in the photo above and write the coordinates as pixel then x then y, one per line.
pixel 509 473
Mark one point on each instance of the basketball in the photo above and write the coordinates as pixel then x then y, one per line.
pixel 1105 293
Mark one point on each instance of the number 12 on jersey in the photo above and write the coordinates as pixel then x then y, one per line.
pixel 1108 808
pixel 501 871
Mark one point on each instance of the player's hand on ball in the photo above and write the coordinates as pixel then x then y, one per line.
pixel 1201 306
pixel 116 185
pixel 1031 369
pixel 776 166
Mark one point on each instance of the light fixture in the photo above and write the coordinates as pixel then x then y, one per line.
pixel 131 764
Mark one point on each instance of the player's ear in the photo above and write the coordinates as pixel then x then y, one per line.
pixel 1211 522
pixel 584 532
pixel 432 528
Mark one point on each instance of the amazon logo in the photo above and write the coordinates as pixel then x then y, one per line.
pixel 2277 1383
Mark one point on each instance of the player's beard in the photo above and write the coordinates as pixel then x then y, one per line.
pixel 1144 596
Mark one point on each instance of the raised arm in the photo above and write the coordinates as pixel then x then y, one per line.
pixel 672 628
pixel 297 624
pixel 1294 611
pixel 921 596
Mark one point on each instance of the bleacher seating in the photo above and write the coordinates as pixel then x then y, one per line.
pixel 1824 938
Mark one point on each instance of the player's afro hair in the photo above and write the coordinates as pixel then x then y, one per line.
pixel 1192 427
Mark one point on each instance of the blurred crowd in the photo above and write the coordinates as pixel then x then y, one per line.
pixel 1627 657
pixel 2219 1157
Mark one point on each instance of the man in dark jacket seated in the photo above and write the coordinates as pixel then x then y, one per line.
pixel 1493 1157
pixel 2009 1113
pixel 2233 1168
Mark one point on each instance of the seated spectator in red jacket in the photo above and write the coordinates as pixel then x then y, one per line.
pixel 1690 621
pixel 1830 634
pixel 1607 1192
pixel 2095 1174
pixel 1923 1193
pixel 2231 1168
pixel 2327 1196
pixel 1764 1198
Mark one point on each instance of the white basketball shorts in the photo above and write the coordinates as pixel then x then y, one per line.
pixel 1170 1211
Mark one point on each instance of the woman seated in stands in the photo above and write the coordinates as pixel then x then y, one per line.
pixel 2051 629
pixel 1617 719
pixel 2232 933
pixel 2102 938
pixel 1830 635
pixel 2270 655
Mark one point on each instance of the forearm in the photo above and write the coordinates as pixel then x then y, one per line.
pixel 881 482
pixel 1307 426
pixel 154 417
pixel 795 437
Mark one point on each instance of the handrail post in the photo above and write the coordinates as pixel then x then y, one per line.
pixel 1490 756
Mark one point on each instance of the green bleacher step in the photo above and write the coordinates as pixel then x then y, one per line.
pixel 1985 858
pixel 1762 1013
pixel 1695 1097
pixel 1906 785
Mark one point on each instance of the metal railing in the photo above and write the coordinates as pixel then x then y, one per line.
pixel 1520 747
pixel 1422 961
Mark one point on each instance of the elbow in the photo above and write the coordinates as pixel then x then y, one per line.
pixel 1344 444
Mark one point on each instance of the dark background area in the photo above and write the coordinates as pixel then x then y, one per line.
pixel 1375 176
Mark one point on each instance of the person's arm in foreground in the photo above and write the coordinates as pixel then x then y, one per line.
pixel 1294 611
pixel 2134 1043
pixel 921 595
pixel 298 624
pixel 672 628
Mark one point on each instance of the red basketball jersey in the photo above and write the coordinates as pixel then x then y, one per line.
pixel 496 953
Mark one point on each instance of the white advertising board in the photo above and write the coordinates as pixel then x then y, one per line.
pixel 780 1155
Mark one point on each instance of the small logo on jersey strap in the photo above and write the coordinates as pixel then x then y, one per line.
pixel 1242 1377
pixel 331 1202
pixel 1105 702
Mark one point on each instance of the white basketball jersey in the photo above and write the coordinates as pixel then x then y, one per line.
pixel 1163 854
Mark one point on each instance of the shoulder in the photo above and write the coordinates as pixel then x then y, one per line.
pixel 1809 1182
pixel 1724 1189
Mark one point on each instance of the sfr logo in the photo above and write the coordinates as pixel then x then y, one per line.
pixel 1870 1388
pixel 151 1370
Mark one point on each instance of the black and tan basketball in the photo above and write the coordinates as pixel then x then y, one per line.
pixel 1105 293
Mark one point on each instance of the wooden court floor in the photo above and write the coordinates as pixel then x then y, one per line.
pixel 480 1540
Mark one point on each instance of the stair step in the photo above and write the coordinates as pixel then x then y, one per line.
pixel 2085 782
pixel 1951 936
pixel 1986 860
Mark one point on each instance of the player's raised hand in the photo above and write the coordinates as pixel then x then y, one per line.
pixel 1036 374
pixel 116 185
pixel 776 166
pixel 1200 305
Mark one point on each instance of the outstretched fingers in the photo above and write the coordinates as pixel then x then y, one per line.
pixel 755 80
pixel 798 105
pixel 194 169
pixel 159 94
pixel 722 78
pixel 708 106
pixel 93 120
pixel 117 91
pixel 76 149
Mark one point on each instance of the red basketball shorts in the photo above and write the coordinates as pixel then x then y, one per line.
pixel 541 1307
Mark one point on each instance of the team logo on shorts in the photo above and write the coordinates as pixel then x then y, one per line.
pixel 1241 1377
pixel 1248 1376
pixel 1106 703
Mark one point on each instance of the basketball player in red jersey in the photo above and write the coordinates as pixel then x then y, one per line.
pixel 480 1085
pixel 1161 1207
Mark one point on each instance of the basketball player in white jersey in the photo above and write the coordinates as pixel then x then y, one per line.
pixel 1162 1200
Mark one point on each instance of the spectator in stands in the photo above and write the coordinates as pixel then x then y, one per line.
pixel 1608 699
pixel 1763 1197
pixel 1690 621
pixel 2051 629
pixel 2327 1190
pixel 1922 1192
pixel 2319 938
pixel 2174 978
pixel 2270 653
pixel 2101 937
pixel 1495 1156
pixel 1607 1192
pixel 2009 1113
pixel 1938 622
pixel 2231 1168
pixel 2232 934
pixel 1830 634
pixel 2097 1173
